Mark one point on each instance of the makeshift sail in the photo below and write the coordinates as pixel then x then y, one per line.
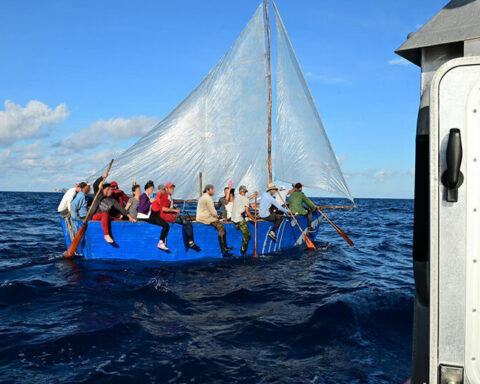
pixel 218 130
pixel 302 150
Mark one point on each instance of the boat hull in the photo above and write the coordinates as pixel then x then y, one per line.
pixel 138 241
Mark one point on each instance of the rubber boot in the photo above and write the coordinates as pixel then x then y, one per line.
pixel 222 246
pixel 225 242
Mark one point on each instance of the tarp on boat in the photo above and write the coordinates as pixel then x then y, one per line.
pixel 219 129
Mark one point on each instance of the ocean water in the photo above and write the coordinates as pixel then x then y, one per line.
pixel 336 315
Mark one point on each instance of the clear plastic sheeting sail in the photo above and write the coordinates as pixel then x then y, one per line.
pixel 218 130
pixel 301 143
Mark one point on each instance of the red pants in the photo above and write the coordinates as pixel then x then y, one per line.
pixel 104 217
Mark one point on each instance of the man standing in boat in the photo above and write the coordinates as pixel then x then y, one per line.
pixel 104 205
pixel 239 211
pixel 206 214
pixel 300 204
pixel 267 203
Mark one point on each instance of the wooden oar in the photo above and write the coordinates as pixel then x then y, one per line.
pixel 79 236
pixel 343 234
pixel 309 242
pixel 337 206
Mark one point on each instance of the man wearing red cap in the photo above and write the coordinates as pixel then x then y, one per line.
pixel 120 196
pixel 171 214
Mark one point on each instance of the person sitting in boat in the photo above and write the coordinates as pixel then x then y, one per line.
pixel 80 203
pixel 267 202
pixel 64 208
pixel 223 201
pixel 206 214
pixel 282 194
pixel 300 204
pixel 146 214
pixel 171 214
pixel 103 206
pixel 134 201
pixel 241 210
pixel 229 205
pixel 156 207
pixel 120 196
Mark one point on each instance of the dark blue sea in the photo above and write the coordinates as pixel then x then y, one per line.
pixel 336 315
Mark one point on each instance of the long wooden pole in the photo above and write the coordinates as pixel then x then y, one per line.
pixel 305 237
pixel 201 183
pixel 79 235
pixel 269 77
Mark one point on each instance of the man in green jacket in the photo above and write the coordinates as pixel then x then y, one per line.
pixel 300 204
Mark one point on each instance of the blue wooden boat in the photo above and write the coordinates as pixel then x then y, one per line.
pixel 139 240
pixel 223 131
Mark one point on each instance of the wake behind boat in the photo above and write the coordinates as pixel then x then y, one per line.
pixel 223 131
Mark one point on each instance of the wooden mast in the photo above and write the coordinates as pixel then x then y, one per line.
pixel 269 77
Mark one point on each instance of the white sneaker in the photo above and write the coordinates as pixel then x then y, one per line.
pixel 108 239
pixel 161 245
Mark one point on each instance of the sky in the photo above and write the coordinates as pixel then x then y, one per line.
pixel 82 81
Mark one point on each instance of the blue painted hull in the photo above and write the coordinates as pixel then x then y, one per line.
pixel 139 240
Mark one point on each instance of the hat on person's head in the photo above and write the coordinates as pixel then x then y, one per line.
pixel 271 186
pixel 207 187
pixel 114 184
pixel 170 185
pixel 243 188
pixel 106 185
pixel 298 185
pixel 82 185
pixel 161 186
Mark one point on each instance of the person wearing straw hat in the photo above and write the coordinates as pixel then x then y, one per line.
pixel 267 203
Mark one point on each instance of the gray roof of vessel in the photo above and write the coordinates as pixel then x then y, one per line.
pixel 459 20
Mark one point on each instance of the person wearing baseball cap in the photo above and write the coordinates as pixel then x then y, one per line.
pixel 240 210
pixel 207 214
pixel 267 203
pixel 156 206
pixel 120 196
pixel 171 214
pixel 300 204
pixel 104 205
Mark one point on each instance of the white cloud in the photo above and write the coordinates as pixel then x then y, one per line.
pixel 383 174
pixel 103 131
pixel 400 61
pixel 17 122
pixel 39 165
